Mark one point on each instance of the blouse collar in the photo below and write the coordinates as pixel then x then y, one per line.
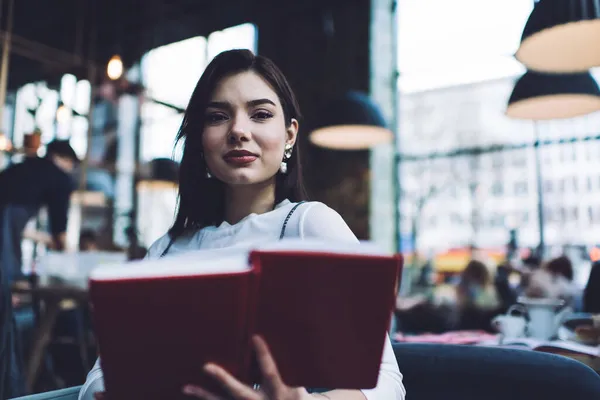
pixel 226 224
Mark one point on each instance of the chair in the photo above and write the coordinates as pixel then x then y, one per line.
pixel 64 394
pixel 433 372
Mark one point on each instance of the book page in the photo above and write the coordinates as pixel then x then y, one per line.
pixel 320 246
pixel 535 344
pixel 225 260
pixel 198 262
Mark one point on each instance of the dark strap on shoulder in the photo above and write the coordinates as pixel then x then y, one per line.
pixel 287 219
pixel 166 250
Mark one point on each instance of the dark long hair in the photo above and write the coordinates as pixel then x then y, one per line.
pixel 202 199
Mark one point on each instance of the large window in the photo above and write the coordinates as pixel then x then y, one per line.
pixel 457 70
pixel 37 106
pixel 444 43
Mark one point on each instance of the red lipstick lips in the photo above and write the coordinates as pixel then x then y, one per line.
pixel 239 157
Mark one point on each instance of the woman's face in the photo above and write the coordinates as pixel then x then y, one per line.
pixel 245 132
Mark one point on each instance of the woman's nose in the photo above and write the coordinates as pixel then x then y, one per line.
pixel 240 129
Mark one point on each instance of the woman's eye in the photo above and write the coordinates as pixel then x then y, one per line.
pixel 262 115
pixel 215 117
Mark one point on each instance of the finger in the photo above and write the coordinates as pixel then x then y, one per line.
pixel 272 380
pixel 235 388
pixel 100 396
pixel 198 392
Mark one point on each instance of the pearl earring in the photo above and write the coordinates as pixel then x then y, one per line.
pixel 208 175
pixel 287 153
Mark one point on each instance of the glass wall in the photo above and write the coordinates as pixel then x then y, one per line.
pixel 469 173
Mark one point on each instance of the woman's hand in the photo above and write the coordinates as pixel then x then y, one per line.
pixel 272 386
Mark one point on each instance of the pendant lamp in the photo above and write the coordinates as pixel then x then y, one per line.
pixel 540 96
pixel 351 122
pixel 562 36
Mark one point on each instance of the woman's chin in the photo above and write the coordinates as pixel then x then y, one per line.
pixel 242 178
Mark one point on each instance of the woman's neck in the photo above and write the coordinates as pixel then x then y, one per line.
pixel 243 200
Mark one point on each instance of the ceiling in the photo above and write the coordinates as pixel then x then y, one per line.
pixel 49 40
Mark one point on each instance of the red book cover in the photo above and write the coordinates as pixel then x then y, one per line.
pixel 323 314
pixel 156 332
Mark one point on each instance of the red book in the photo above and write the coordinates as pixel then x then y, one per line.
pixel 324 309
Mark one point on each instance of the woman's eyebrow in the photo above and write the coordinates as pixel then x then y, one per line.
pixel 224 105
pixel 258 102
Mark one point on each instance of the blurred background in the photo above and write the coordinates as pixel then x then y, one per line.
pixel 452 161
pixel 440 73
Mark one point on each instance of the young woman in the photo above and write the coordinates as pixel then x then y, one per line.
pixel 240 185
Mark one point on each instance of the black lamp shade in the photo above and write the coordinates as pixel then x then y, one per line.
pixel 540 96
pixel 351 122
pixel 562 36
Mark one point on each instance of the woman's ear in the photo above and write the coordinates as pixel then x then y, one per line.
pixel 292 132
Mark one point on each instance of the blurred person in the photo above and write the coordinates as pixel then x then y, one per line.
pixel 553 281
pixel 475 288
pixel 506 293
pixel 88 240
pixel 561 267
pixel 240 184
pixel 530 264
pixel 469 302
pixel 476 298
pixel 24 189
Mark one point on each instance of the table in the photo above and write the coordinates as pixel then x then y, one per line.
pixel 54 298
pixel 62 285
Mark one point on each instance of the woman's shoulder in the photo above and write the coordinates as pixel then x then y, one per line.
pixel 310 211
pixel 314 209
pixel 161 244
pixel 317 220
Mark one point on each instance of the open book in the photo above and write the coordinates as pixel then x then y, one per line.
pixel 554 346
pixel 323 308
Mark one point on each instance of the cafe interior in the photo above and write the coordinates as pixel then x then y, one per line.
pixel 460 134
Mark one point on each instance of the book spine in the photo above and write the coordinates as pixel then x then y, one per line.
pixel 249 361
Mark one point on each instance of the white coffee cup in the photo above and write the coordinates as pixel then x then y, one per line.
pixel 513 324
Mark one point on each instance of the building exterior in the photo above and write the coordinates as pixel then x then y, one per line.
pixel 476 198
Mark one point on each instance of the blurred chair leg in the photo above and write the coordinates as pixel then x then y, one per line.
pixel 82 339
pixel 40 342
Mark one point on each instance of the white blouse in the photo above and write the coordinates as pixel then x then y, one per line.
pixel 310 220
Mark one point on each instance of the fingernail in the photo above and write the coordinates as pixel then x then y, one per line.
pixel 209 368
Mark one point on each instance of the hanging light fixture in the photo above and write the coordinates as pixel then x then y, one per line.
pixel 5 143
pixel 352 122
pixel 562 36
pixel 114 68
pixel 540 96
pixel 63 114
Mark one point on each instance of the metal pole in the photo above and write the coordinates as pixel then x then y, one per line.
pixel 92 75
pixel 5 59
pixel 396 176
pixel 540 189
